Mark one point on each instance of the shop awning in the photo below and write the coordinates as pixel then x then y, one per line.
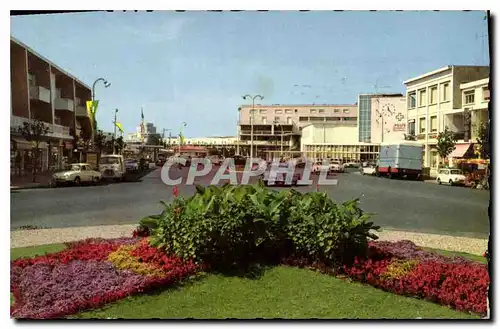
pixel 460 150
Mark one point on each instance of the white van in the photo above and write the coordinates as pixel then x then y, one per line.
pixel 112 166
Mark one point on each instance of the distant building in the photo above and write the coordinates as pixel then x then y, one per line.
pixel 278 126
pixel 150 128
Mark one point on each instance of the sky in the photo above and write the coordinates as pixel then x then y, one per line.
pixel 194 67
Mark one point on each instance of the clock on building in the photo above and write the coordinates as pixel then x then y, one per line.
pixel 389 109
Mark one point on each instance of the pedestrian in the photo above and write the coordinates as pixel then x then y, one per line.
pixel 18 160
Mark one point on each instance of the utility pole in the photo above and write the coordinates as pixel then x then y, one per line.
pixel 251 118
pixel 114 133
pixel 282 134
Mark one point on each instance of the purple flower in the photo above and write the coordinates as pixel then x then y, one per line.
pixel 43 290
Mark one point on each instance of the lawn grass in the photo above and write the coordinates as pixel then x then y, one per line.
pixel 280 292
pixel 447 253
pixel 16 253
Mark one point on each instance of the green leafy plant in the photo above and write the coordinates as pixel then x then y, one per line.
pixel 229 225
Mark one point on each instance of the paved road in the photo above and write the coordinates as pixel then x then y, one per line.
pixel 403 205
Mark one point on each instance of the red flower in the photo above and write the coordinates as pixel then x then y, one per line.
pixel 175 191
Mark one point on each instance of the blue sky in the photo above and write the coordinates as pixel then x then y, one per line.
pixel 195 66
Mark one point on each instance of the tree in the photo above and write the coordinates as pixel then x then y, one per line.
pixel 446 141
pixel 100 141
pixel 483 139
pixel 34 131
pixel 119 145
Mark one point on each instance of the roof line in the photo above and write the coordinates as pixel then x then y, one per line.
pixel 442 69
pixel 297 105
pixel 31 50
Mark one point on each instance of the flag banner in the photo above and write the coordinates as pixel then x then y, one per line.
pixel 90 113
pixel 94 107
pixel 119 126
pixel 142 114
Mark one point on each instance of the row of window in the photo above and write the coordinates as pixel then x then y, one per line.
pixel 444 89
pixel 289 120
pixel 322 119
pixel 288 111
pixel 469 96
pixel 422 125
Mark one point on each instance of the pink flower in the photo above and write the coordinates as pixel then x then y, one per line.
pixel 175 191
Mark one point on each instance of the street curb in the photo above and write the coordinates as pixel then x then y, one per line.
pixel 31 238
pixel 16 188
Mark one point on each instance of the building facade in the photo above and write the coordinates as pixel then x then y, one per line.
pixel 382 118
pixel 277 128
pixel 330 141
pixel 41 90
pixel 436 100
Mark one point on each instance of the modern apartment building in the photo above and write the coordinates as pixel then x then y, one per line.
pixel 277 127
pixel 42 90
pixel 444 98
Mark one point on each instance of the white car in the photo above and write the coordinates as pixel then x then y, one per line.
pixel 78 173
pixel 280 178
pixel 451 176
pixel 318 167
pixel 215 159
pixel 368 170
pixel 335 166
pixel 131 165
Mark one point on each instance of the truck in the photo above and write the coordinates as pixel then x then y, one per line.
pixel 112 167
pixel 400 159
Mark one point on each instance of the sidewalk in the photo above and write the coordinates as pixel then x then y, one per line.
pixel 26 238
pixel 25 182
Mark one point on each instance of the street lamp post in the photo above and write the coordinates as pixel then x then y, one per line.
pixel 251 118
pixel 114 133
pixel 106 85
pixel 181 136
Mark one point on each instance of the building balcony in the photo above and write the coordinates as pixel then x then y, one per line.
pixel 81 111
pixel 55 131
pixel 40 94
pixel 64 104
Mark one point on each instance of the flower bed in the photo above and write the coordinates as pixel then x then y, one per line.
pixel 403 268
pixel 89 274
pixel 94 272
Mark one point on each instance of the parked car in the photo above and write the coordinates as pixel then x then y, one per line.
pixel 280 177
pixel 131 165
pixel 77 174
pixel 368 169
pixel 451 176
pixel 318 167
pixel 335 166
pixel 351 164
pixel 215 159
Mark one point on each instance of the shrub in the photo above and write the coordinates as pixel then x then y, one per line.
pixel 227 225
pixel 329 232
